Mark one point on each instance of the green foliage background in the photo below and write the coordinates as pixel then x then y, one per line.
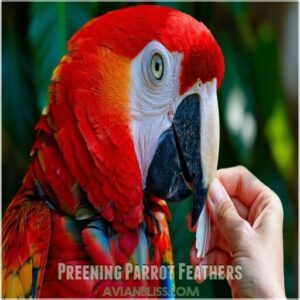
pixel 34 38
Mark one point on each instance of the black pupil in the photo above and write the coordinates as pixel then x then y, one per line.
pixel 157 65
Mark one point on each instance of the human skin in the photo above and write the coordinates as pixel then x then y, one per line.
pixel 246 231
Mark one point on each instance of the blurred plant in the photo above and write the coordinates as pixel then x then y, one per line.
pixel 258 122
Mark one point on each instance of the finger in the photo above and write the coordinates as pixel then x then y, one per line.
pixel 193 257
pixel 214 258
pixel 241 208
pixel 225 215
pixel 218 241
pixel 242 184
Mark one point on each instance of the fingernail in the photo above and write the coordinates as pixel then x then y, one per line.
pixel 215 193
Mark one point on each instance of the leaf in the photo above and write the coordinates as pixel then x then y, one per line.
pixel 51 26
pixel 241 16
pixel 186 7
pixel 277 127
pixel 237 102
pixel 19 110
pixel 203 13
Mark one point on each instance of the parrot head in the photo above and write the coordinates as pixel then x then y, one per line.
pixel 138 90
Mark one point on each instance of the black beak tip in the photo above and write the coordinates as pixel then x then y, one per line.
pixel 195 217
pixel 199 197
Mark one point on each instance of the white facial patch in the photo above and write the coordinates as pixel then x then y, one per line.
pixel 153 101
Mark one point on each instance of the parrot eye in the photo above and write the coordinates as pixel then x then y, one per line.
pixel 157 66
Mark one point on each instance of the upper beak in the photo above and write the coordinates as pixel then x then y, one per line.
pixel 187 153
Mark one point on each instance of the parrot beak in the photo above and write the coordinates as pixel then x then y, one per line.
pixel 186 154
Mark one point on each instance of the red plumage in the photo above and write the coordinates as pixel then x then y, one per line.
pixel 178 32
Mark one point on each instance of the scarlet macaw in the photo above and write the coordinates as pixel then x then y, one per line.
pixel 132 119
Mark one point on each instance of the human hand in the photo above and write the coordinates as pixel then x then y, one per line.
pixel 246 231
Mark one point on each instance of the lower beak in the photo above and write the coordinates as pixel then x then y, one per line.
pixel 185 157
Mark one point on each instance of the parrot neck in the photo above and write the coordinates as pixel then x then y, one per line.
pixel 53 178
pixel 48 174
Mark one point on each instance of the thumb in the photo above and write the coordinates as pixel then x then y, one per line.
pixel 225 215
